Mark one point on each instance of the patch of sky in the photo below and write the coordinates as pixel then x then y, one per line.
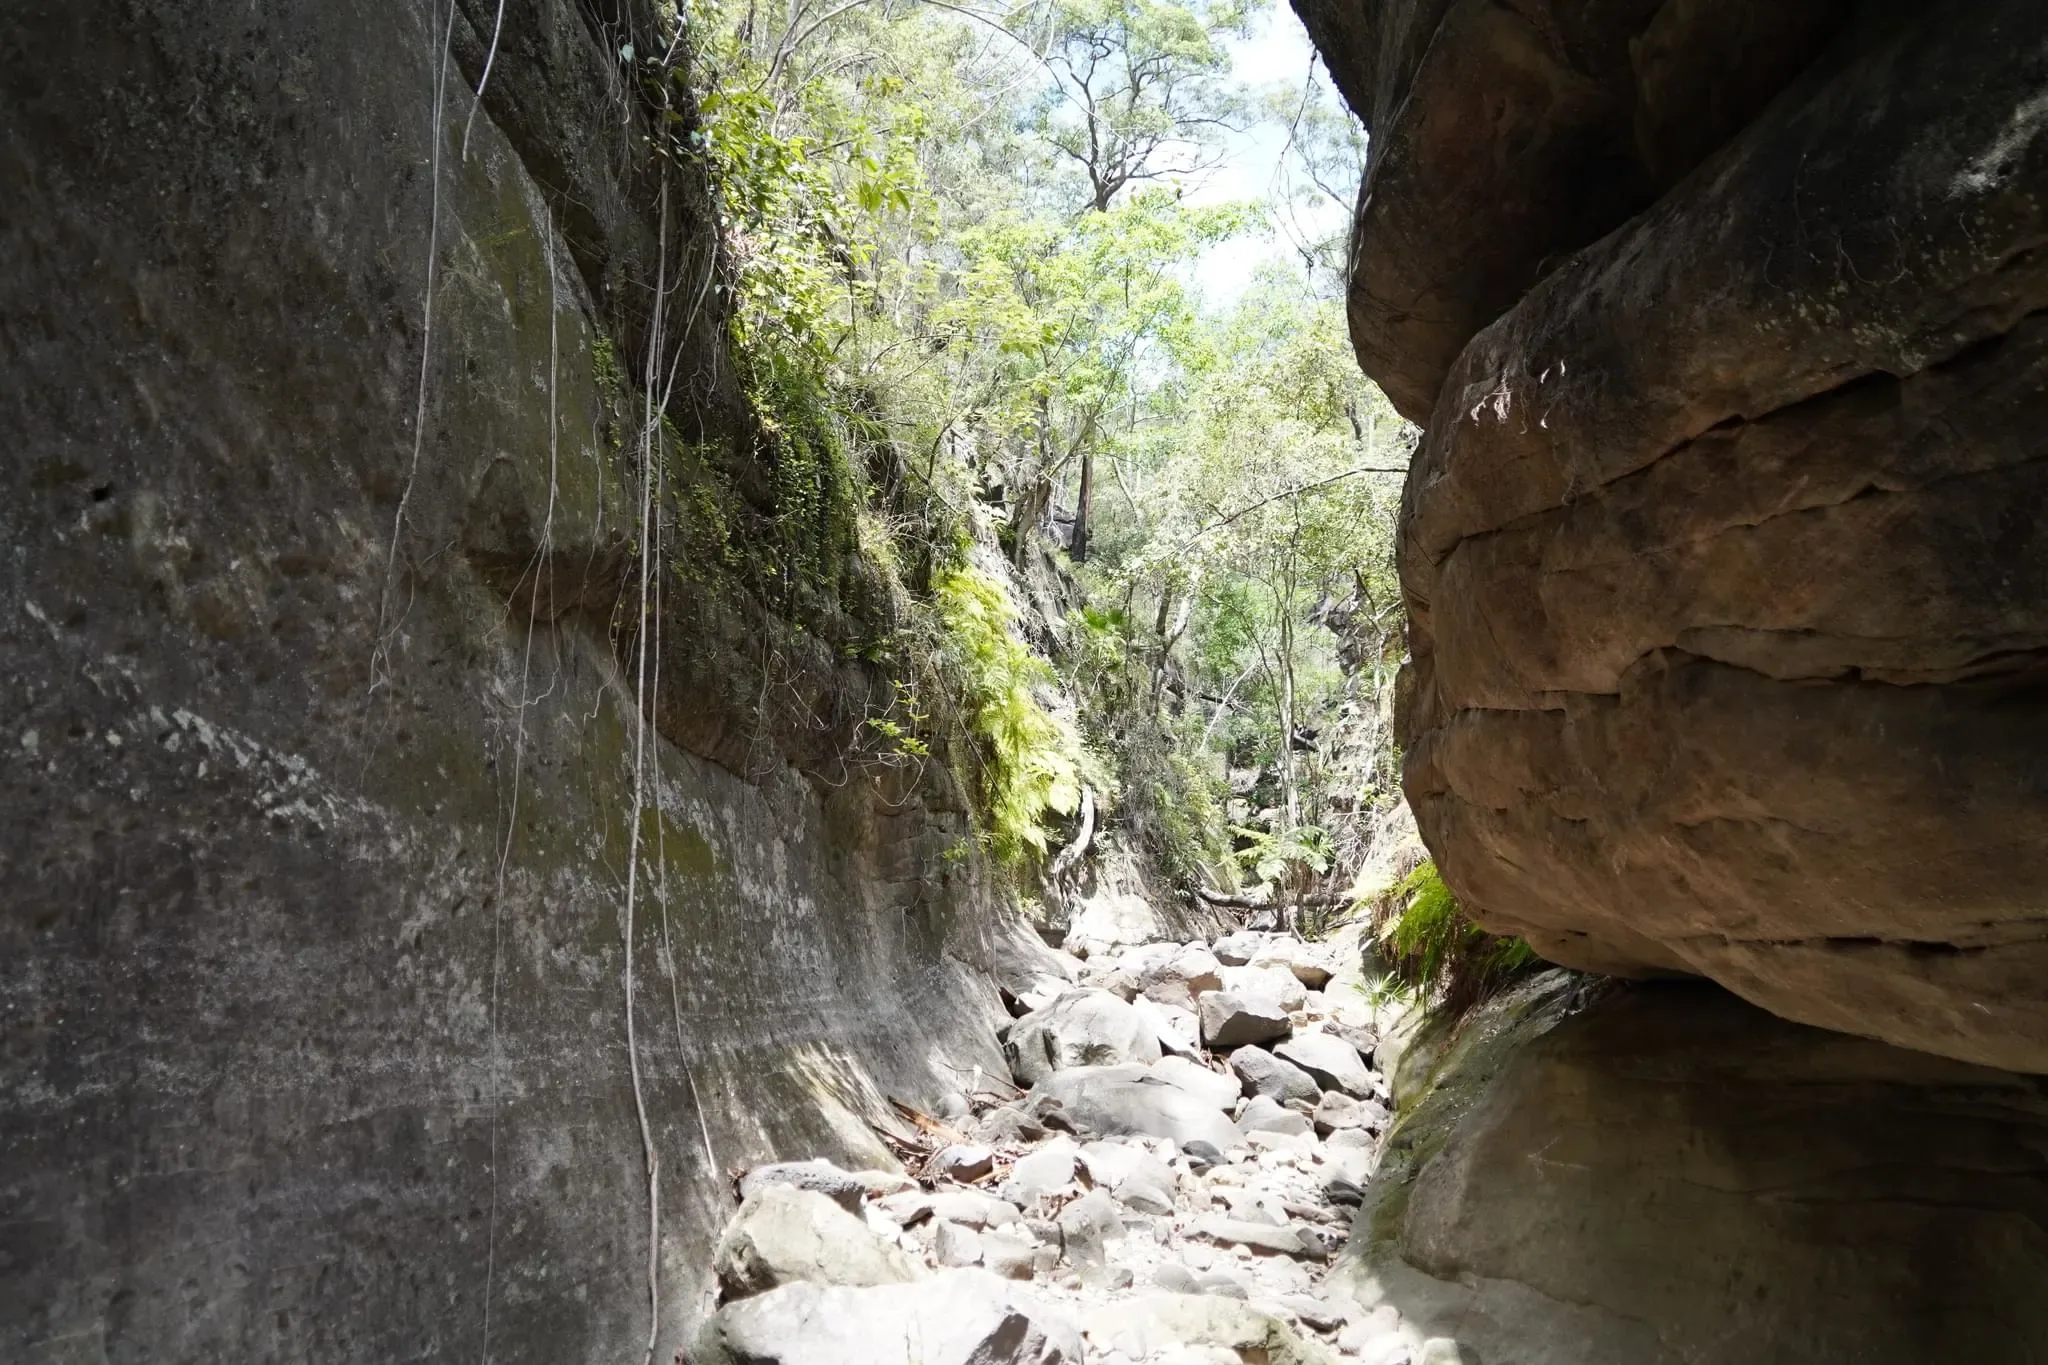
pixel 1260 162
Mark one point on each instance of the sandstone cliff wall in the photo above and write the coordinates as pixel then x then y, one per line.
pixel 1724 549
pixel 319 742
pixel 1660 1174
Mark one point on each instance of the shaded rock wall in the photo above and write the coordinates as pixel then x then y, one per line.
pixel 1724 547
pixel 318 741
pixel 1662 1173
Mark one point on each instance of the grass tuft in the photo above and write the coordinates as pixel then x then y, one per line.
pixel 1435 953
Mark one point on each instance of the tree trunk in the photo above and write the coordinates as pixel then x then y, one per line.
pixel 1085 505
pixel 1290 798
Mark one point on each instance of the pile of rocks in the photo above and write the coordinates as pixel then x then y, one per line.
pixel 1192 1125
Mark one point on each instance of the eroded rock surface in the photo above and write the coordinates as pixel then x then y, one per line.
pixel 1724 548
pixel 1656 1174
pixel 319 745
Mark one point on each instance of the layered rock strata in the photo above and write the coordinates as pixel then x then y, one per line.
pixel 1659 1173
pixel 1724 547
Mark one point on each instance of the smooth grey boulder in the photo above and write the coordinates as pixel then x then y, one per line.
pixel 1299 1143
pixel 1254 1206
pixel 1212 1087
pixel 1173 974
pixel 1111 977
pixel 1081 1028
pixel 955 1244
pixel 1178 1029
pixel 1260 1072
pixel 1311 966
pixel 959 1317
pixel 1377 1347
pixel 1152 1325
pixel 1276 983
pixel 1226 1284
pixel 1146 958
pixel 1149 1189
pixel 1334 1063
pixel 1007 1123
pixel 1230 1019
pixel 1284 1241
pixel 1087 1227
pixel 1267 1115
pixel 843 1187
pixel 1235 950
pixel 1364 1040
pixel 783 1234
pixel 1133 1175
pixel 1119 1100
pixel 971 1207
pixel 904 1210
pixel 1109 1160
pixel 1199 968
pixel 1337 1110
pixel 1041 1173
pixel 1007 1255
pixel 1109 920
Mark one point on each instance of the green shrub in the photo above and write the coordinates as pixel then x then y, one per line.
pixel 1031 760
pixel 1435 953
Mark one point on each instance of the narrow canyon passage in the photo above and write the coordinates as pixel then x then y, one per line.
pixel 1091 681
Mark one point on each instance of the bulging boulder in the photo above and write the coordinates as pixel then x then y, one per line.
pixel 1178 1030
pixel 1723 550
pixel 1042 1173
pixel 1081 1028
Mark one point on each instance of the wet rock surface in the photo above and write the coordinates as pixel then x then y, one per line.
pixel 1724 548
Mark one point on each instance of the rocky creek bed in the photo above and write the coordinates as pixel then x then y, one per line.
pixel 1165 1178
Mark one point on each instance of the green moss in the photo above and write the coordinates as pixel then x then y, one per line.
pixel 1445 1070
pixel 604 370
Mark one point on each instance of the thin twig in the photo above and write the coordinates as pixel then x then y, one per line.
pixel 1222 522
